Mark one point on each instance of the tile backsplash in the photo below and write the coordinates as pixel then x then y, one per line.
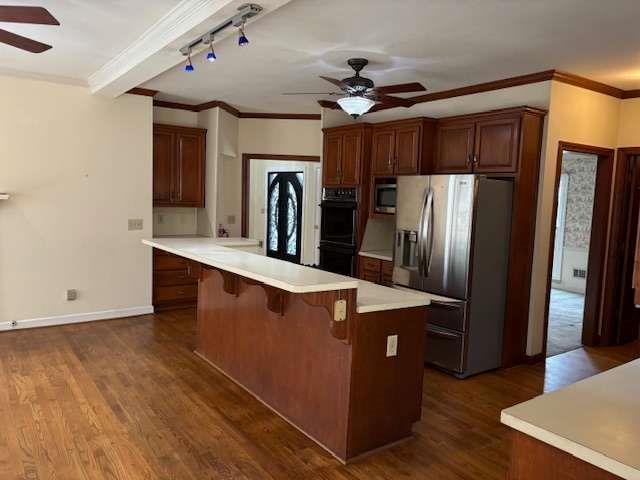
pixel 175 221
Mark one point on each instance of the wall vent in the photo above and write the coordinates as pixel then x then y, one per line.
pixel 579 273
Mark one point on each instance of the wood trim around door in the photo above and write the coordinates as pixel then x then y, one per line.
pixel 246 163
pixel 615 329
pixel 594 294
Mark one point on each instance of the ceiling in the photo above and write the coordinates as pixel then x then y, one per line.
pixel 442 43
pixel 91 33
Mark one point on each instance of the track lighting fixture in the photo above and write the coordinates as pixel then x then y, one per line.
pixel 245 11
pixel 211 56
pixel 189 66
pixel 242 38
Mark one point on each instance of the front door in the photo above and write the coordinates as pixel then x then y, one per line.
pixel 284 215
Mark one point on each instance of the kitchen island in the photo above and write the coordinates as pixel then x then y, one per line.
pixel 338 358
pixel 589 430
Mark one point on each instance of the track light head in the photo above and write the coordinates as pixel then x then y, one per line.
pixel 189 66
pixel 242 38
pixel 211 56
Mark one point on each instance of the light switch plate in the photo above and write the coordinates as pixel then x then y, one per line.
pixel 392 345
pixel 231 219
pixel 72 294
pixel 135 224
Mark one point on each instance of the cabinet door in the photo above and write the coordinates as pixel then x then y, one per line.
pixel 407 148
pixel 163 163
pixel 190 170
pixel 496 145
pixel 454 148
pixel 351 158
pixel 331 159
pixel 383 152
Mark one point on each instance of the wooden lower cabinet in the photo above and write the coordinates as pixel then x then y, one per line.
pixel 375 270
pixel 175 281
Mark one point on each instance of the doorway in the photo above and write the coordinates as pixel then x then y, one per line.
pixel 284 215
pixel 577 254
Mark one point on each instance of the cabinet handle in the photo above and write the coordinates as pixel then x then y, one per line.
pixel 475 159
pixel 469 159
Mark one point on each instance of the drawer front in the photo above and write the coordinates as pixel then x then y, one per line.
pixel 369 276
pixel 177 292
pixel 448 315
pixel 169 262
pixel 445 349
pixel 387 272
pixel 167 278
pixel 372 264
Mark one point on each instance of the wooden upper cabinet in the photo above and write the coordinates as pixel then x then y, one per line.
pixel 163 164
pixel 332 159
pixel 407 150
pixel 382 152
pixel 351 158
pixel 190 170
pixel 496 145
pixel 396 148
pixel 454 147
pixel 178 166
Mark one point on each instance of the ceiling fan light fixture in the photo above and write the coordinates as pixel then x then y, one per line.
pixel 356 105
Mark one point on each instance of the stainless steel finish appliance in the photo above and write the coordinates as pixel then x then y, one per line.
pixel 384 198
pixel 338 230
pixel 452 239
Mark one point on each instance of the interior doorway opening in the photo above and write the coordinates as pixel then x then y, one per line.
pixel 578 247
pixel 576 189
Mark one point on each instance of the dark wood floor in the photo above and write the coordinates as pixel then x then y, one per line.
pixel 127 399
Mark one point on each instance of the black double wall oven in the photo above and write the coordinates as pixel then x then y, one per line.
pixel 338 230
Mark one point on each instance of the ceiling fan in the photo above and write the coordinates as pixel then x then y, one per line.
pixel 34 15
pixel 361 95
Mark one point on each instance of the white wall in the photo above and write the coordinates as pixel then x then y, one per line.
pixel 77 167
pixel 270 136
pixel 258 202
pixel 579 116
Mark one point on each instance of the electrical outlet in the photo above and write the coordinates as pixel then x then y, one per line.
pixel 135 224
pixel 392 345
pixel 231 219
pixel 339 310
pixel 72 294
pixel 14 324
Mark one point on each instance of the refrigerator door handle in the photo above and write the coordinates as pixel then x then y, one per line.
pixel 423 231
pixel 430 217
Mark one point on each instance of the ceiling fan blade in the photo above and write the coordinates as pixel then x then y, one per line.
pixel 401 88
pixel 328 104
pixel 36 15
pixel 393 101
pixel 23 43
pixel 335 81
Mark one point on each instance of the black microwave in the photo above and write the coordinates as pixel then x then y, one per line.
pixel 384 198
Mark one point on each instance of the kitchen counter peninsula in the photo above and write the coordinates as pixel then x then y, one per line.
pixel 338 358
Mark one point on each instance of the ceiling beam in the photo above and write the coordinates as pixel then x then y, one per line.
pixel 157 50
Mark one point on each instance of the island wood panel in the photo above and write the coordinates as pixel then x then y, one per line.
pixel 291 362
pixel 386 392
pixel 337 386
pixel 532 459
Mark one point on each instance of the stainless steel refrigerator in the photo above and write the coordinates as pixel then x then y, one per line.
pixel 452 239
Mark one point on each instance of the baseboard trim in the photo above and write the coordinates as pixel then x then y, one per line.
pixel 76 318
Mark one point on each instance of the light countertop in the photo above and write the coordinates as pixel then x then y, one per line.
pixel 217 252
pixel 386 255
pixel 596 420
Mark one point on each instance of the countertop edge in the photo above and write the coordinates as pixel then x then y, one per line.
pixel 346 285
pixel 393 306
pixel 578 450
pixel 379 256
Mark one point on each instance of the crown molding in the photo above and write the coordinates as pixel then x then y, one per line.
pixel 176 23
pixel 145 92
pixel 587 84
pixel 631 94
pixel 234 111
